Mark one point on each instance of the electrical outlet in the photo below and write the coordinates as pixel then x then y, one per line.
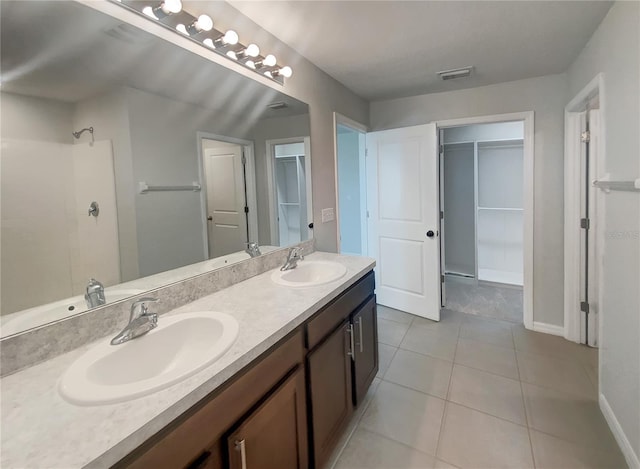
pixel 327 215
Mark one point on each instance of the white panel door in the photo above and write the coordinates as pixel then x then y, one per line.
pixel 226 220
pixel 402 186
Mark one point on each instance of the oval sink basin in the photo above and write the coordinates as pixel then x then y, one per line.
pixel 180 346
pixel 310 274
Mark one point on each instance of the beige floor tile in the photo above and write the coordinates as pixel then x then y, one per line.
pixel 487 357
pixel 567 416
pixel 495 395
pixel 431 342
pixel 385 355
pixel 555 373
pixel 391 314
pixel 406 416
pixel 487 330
pixel 367 450
pixel 472 439
pixel 440 464
pixel 391 332
pixel 420 372
pixel 547 344
pixel 553 453
pixel 592 372
pixel 353 423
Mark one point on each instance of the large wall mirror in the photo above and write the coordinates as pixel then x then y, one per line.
pixel 129 160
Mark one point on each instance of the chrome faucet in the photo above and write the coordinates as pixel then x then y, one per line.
pixel 295 255
pixel 94 295
pixel 141 321
pixel 253 249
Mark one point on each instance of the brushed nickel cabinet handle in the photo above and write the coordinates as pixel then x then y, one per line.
pixel 360 333
pixel 240 446
pixel 352 346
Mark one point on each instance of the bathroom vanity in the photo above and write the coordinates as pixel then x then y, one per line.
pixel 280 397
pixel 290 405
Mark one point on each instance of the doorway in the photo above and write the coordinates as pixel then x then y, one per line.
pixel 482 223
pixel 351 186
pixel 584 208
pixel 405 225
pixel 290 204
pixel 228 194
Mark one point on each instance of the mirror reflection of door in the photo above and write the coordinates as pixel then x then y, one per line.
pixel 226 197
pixel 292 186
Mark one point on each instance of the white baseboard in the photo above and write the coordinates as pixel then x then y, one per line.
pixel 618 433
pixel 548 328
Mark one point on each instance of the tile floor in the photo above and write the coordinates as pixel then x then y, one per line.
pixel 484 299
pixel 473 392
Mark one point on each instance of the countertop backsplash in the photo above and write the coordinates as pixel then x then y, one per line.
pixel 37 345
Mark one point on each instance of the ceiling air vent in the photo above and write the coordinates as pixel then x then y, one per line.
pixel 463 72
pixel 277 105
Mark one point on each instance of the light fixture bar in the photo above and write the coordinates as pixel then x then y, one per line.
pixel 201 30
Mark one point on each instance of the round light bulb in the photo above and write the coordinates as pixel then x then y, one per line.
pixel 270 60
pixel 252 50
pixel 232 55
pixel 209 42
pixel 149 12
pixel 231 37
pixel 251 64
pixel 181 28
pixel 286 72
pixel 204 23
pixel 172 6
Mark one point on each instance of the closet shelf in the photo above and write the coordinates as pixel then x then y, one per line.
pixel 505 209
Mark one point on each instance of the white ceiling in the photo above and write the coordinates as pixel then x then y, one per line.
pixel 386 49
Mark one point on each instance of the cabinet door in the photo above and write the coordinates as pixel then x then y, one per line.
pixel 274 436
pixel 330 389
pixel 365 363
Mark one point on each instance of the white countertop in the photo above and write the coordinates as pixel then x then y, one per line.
pixel 41 430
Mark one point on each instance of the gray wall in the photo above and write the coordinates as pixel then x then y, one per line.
pixel 546 96
pixel 31 118
pixel 459 209
pixel 614 50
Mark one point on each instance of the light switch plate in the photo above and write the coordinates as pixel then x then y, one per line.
pixel 327 215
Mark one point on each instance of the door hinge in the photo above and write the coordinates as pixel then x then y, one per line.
pixel 441 278
pixel 585 223
pixel 441 149
pixel 244 159
pixel 585 136
pixel 441 215
pixel 367 213
pixel 584 307
pixel 246 209
pixel 366 152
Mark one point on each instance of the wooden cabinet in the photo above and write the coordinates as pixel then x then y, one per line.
pixel 274 436
pixel 365 353
pixel 329 368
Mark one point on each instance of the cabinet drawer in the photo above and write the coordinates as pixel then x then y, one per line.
pixel 185 441
pixel 337 311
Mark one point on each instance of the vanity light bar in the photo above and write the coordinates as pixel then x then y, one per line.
pixel 201 29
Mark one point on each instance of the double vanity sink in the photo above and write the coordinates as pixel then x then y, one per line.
pixel 96 405
pixel 180 346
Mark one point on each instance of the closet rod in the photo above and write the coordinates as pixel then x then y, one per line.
pixel 143 188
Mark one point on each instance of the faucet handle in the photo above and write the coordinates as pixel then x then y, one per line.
pixel 141 302
pixel 297 253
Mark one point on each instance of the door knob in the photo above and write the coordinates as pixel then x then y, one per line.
pixel 311 225
pixel 430 234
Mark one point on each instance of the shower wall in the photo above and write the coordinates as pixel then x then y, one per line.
pixel 46 179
